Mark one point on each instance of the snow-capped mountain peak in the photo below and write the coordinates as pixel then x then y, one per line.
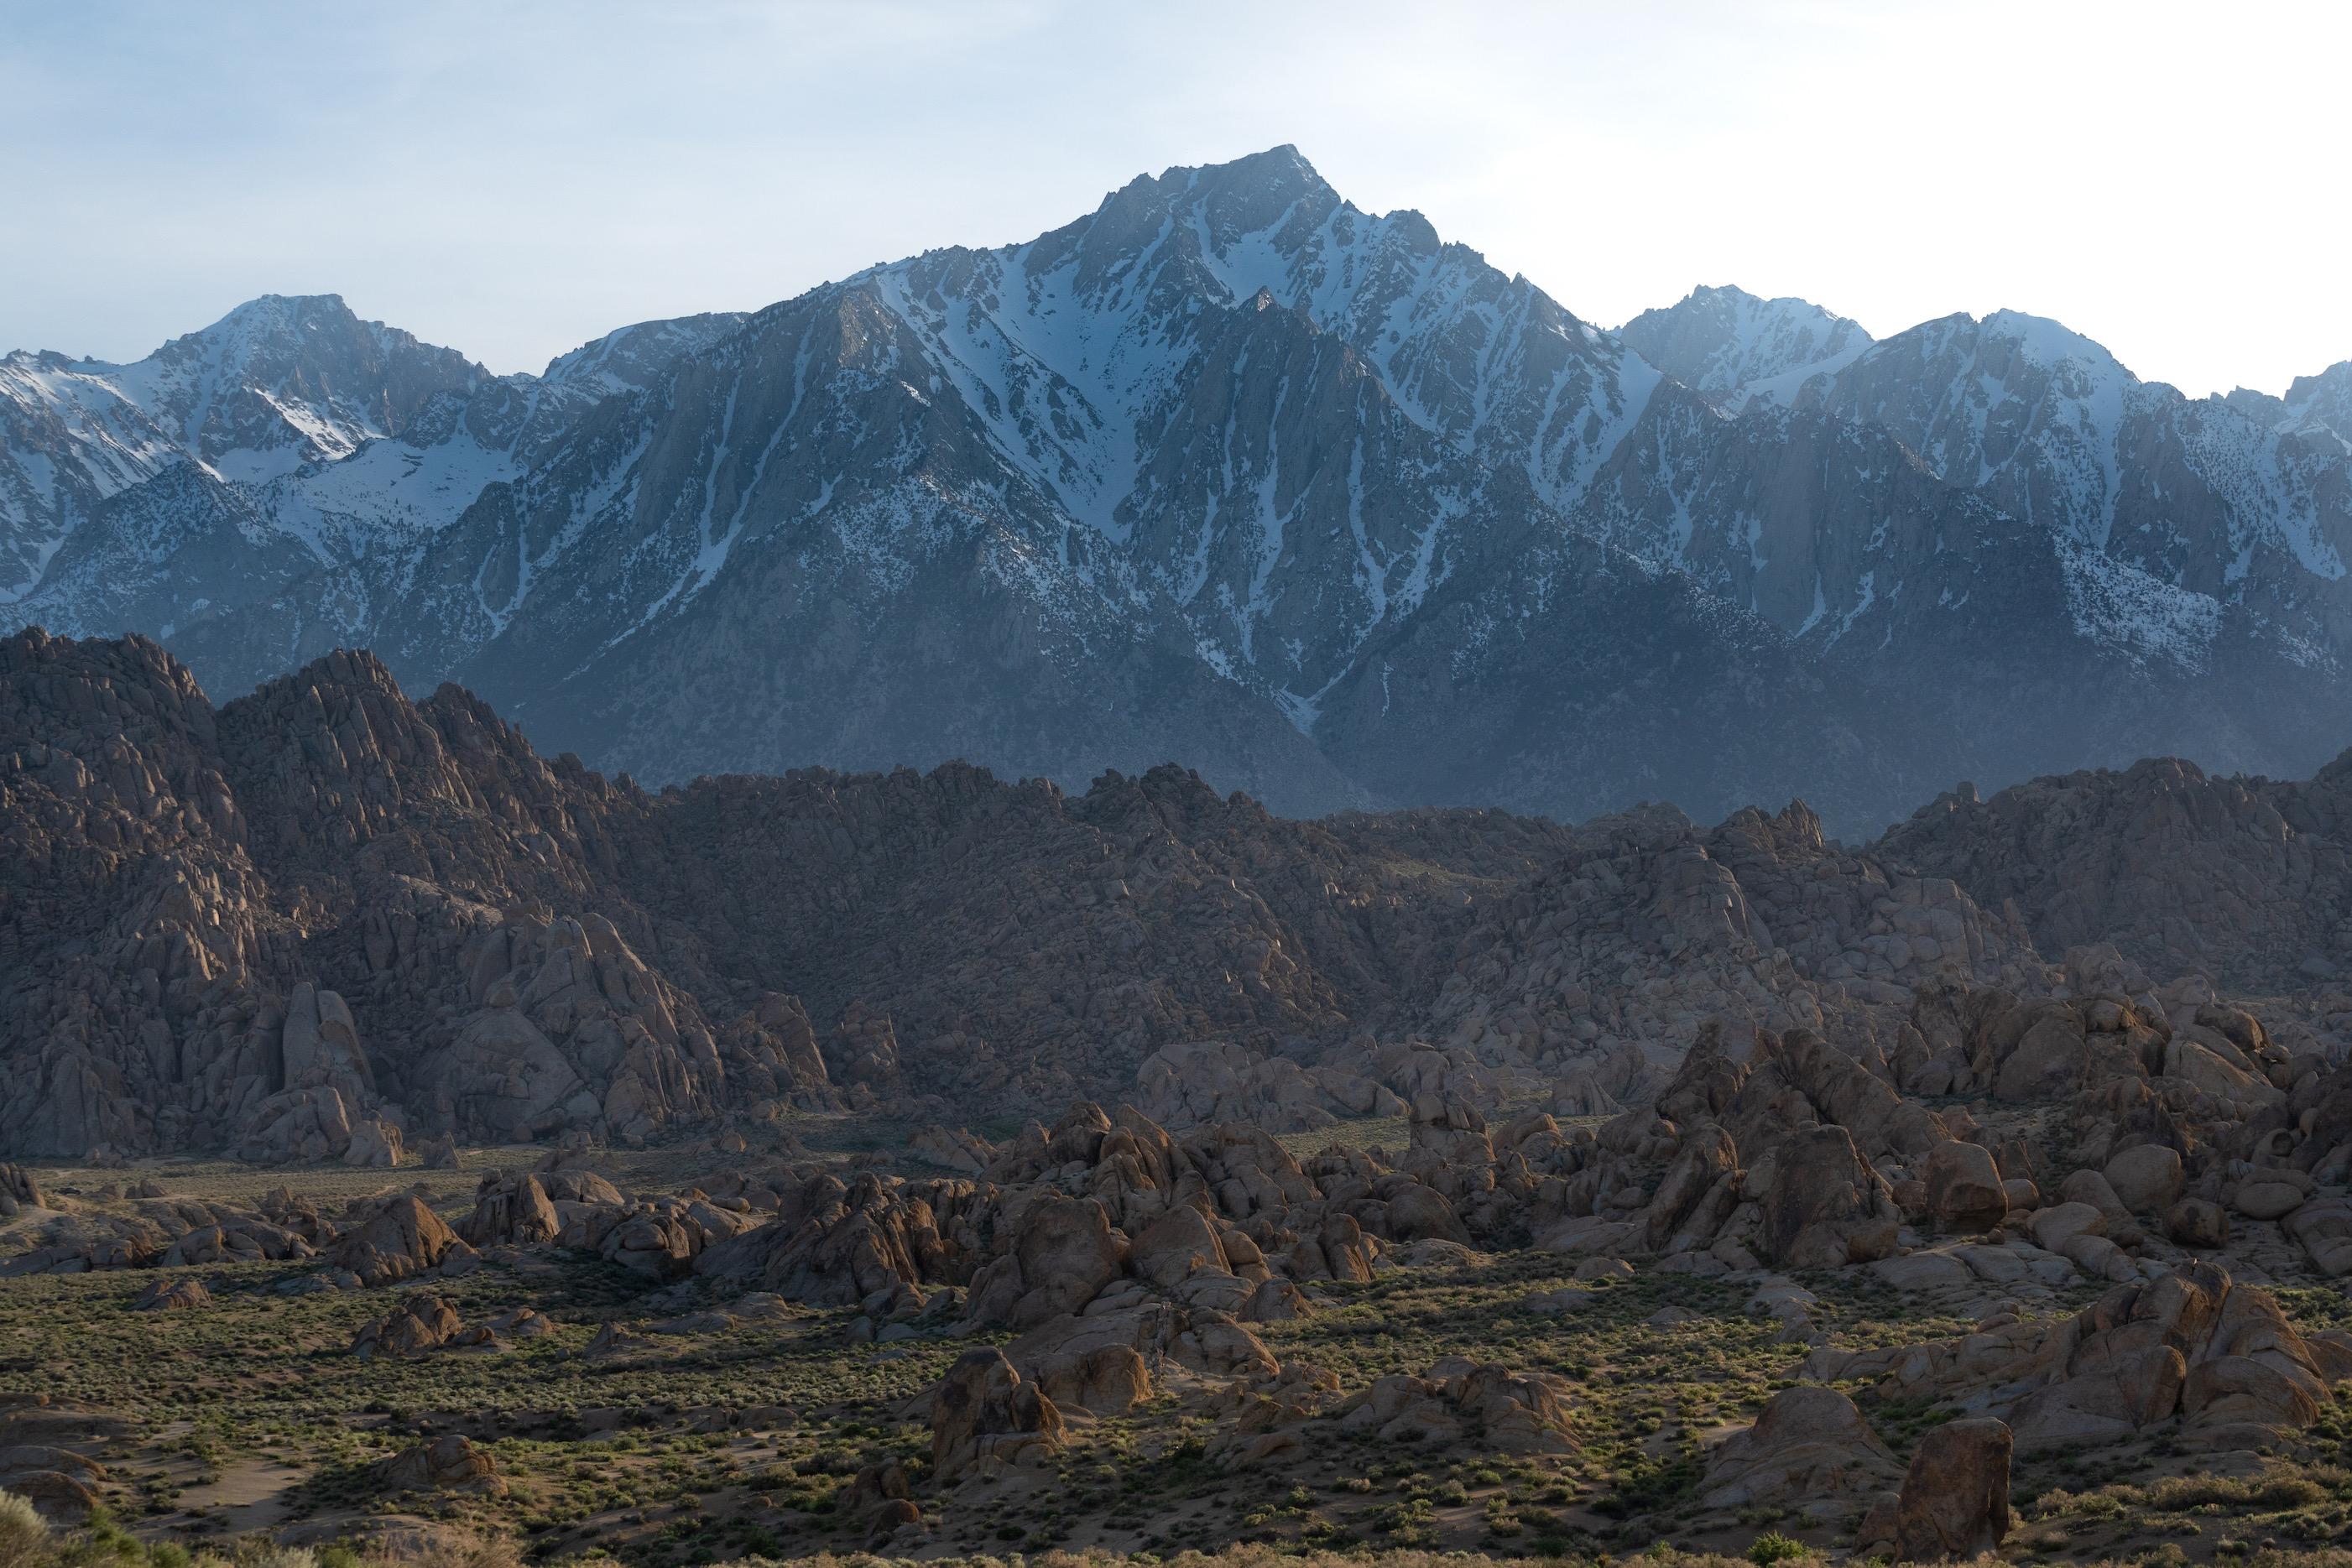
pixel 341 438
pixel 1734 346
pixel 1230 470
pixel 285 379
pixel 2050 342
pixel 1081 351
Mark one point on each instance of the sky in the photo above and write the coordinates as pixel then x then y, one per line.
pixel 513 179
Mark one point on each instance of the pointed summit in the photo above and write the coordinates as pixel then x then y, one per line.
pixel 1284 165
pixel 264 326
pixel 1728 343
pixel 2050 341
pixel 1254 194
pixel 288 379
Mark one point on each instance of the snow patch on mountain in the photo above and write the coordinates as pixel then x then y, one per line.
pixel 69 439
pixel 385 491
pixel 277 381
pixel 2152 621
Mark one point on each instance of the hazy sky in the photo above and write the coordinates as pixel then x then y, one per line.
pixel 512 178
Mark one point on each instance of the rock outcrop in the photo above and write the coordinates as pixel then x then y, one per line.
pixel 422 1324
pixel 1063 1254
pixel 446 1463
pixel 375 924
pixel 172 1295
pixel 511 1211
pixel 2245 880
pixel 1808 1447
pixel 1953 1506
pixel 18 1192
pixel 837 1243
pixel 985 1416
pixel 2188 1350
pixel 400 1240
pixel 1493 1406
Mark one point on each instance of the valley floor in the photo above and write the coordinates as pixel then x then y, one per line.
pixel 672 1426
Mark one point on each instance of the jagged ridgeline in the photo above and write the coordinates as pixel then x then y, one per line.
pixel 1234 473
pixel 323 921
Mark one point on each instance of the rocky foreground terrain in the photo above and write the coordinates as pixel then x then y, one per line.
pixel 422 1147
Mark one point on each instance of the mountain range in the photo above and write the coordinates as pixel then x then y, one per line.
pixel 1234 473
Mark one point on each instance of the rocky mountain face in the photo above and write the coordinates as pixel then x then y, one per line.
pixel 1731 345
pixel 324 918
pixel 281 445
pixel 2117 857
pixel 2324 400
pixel 276 384
pixel 1234 473
pixel 2192 514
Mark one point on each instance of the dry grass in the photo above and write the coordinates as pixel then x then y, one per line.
pixel 23 1536
pixel 733 1445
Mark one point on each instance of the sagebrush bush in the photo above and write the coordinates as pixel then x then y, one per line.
pixel 24 1533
